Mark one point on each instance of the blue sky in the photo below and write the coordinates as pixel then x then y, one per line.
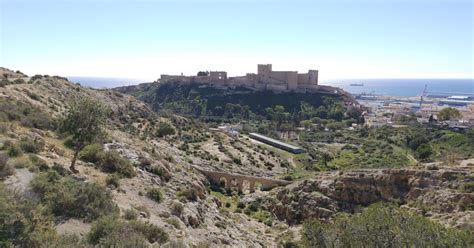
pixel 143 39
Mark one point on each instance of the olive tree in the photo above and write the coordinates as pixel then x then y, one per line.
pixel 84 121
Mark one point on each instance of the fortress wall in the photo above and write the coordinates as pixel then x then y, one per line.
pixel 260 86
pixel 240 81
pixel 281 76
pixel 265 79
pixel 176 78
pixel 303 78
pixel 218 76
pixel 292 80
pixel 252 78
pixel 277 87
pixel 201 79
pixel 308 86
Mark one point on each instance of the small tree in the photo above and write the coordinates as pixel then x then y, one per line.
pixel 203 73
pixel 424 151
pixel 165 129
pixel 449 114
pixel 84 121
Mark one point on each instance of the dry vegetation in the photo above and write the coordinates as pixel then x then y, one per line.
pixel 136 185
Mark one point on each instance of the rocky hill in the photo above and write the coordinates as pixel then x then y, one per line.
pixel 201 100
pixel 140 186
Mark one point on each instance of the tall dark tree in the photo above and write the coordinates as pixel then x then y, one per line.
pixel 203 73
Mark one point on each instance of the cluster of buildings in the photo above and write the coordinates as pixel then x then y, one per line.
pixel 383 112
pixel 265 79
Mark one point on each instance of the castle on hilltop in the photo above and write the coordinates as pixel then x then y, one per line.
pixel 265 79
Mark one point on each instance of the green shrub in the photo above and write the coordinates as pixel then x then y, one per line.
pixel 38 119
pixel 164 129
pixel 174 222
pixel 151 232
pixel 21 162
pixel 124 239
pixel 69 143
pixel 380 225
pixel 155 194
pixel 268 222
pixel 60 170
pixel 130 214
pixel 247 211
pixel 4 83
pixel 113 180
pixel 23 223
pixel 66 240
pixel 68 197
pixel 237 160
pixel 424 151
pixel 112 162
pixel 177 208
pixel 108 230
pixel 6 169
pixel 190 194
pixel 19 81
pixel 91 153
pixel 468 187
pixel 33 96
pixel 103 227
pixel 263 216
pixel 161 172
pixel 4 128
pixel 27 115
pixel 45 182
pixel 13 149
pixel 31 146
pixel 38 162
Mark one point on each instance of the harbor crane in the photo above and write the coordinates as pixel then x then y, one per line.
pixel 423 94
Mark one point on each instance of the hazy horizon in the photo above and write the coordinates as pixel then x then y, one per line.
pixel 143 39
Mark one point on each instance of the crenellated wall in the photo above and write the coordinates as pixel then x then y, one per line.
pixel 265 78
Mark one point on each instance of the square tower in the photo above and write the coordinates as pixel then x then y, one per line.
pixel 264 72
pixel 264 68
pixel 313 77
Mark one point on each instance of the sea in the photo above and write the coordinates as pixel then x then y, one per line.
pixel 385 87
pixel 406 87
pixel 105 82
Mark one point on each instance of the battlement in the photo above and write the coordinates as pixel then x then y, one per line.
pixel 265 78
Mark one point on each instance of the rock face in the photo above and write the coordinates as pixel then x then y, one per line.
pixel 433 192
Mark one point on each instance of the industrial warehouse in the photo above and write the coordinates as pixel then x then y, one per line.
pixel 276 143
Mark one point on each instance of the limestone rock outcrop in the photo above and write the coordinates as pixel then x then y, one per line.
pixel 432 192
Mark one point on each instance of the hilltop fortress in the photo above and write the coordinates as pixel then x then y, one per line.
pixel 265 79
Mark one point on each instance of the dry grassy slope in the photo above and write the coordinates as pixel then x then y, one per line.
pixel 198 222
pixel 7 73
pixel 205 220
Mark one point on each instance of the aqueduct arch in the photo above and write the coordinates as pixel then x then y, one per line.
pixel 237 180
